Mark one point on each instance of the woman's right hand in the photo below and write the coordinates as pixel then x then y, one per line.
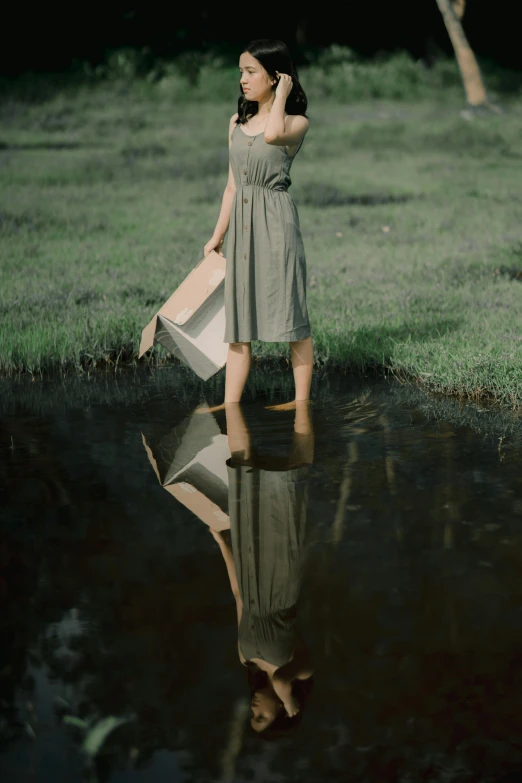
pixel 213 244
pixel 217 534
pixel 291 706
pixel 283 688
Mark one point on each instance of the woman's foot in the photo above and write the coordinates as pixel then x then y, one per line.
pixel 212 409
pixel 284 406
pixel 287 406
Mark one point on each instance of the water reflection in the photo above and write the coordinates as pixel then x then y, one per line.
pixel 118 614
pixel 263 542
pixel 268 506
pixel 190 463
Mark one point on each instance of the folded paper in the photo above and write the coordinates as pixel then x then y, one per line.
pixel 191 324
pixel 190 463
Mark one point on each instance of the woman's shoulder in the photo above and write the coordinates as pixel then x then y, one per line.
pixel 296 124
pixel 298 120
pixel 231 127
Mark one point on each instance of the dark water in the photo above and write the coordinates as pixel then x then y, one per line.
pixel 394 520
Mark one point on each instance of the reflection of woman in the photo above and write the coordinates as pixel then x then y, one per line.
pixel 267 507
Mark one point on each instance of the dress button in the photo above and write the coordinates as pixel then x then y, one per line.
pixel 244 171
pixel 245 200
pixel 249 143
pixel 246 227
pixel 244 256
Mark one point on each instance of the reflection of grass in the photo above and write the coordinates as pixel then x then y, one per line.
pixel 95 730
pixel 153 389
pixel 410 217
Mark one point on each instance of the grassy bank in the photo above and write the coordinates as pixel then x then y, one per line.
pixel 410 215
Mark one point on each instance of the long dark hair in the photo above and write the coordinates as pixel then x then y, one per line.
pixel 273 56
pixel 282 723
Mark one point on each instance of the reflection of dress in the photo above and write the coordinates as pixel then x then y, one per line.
pixel 267 511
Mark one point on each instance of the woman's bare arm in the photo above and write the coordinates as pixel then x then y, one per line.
pixel 299 668
pixel 280 133
pixel 228 557
pixel 223 220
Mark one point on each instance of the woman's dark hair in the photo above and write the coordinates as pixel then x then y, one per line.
pixel 282 723
pixel 273 56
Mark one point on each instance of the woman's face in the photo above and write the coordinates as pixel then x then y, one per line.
pixel 255 81
pixel 265 707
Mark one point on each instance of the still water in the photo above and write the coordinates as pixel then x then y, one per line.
pixel 364 551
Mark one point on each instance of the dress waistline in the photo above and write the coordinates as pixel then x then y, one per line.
pixel 265 187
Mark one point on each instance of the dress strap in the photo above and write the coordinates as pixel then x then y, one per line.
pixel 299 147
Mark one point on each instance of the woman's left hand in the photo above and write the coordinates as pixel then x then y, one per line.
pixel 284 86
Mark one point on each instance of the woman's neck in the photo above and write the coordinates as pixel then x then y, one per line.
pixel 264 106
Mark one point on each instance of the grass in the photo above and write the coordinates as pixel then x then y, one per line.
pixel 179 388
pixel 410 215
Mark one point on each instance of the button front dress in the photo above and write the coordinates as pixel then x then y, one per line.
pixel 268 511
pixel 265 281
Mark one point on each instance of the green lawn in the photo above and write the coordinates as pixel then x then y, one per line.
pixel 411 217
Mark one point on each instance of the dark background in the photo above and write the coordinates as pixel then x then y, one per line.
pixel 51 37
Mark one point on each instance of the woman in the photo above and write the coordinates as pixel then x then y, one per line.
pixel 268 499
pixel 265 282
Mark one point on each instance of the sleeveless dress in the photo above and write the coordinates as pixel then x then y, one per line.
pixel 268 511
pixel 265 280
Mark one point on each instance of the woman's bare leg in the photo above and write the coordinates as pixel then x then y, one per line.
pixel 303 436
pixel 236 374
pixel 302 364
pixel 237 369
pixel 239 440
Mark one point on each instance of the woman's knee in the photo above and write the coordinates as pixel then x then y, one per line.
pixel 297 343
pixel 239 347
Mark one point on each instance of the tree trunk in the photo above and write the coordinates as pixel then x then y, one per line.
pixel 301 37
pixel 469 69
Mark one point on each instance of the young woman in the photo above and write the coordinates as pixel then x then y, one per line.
pixel 268 500
pixel 265 281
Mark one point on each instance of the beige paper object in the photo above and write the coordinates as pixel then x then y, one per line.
pixel 191 324
pixel 190 463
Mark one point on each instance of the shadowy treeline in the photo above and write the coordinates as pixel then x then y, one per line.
pixel 60 37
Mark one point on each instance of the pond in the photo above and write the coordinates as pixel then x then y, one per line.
pixel 371 544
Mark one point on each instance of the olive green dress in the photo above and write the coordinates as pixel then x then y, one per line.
pixel 265 281
pixel 268 510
